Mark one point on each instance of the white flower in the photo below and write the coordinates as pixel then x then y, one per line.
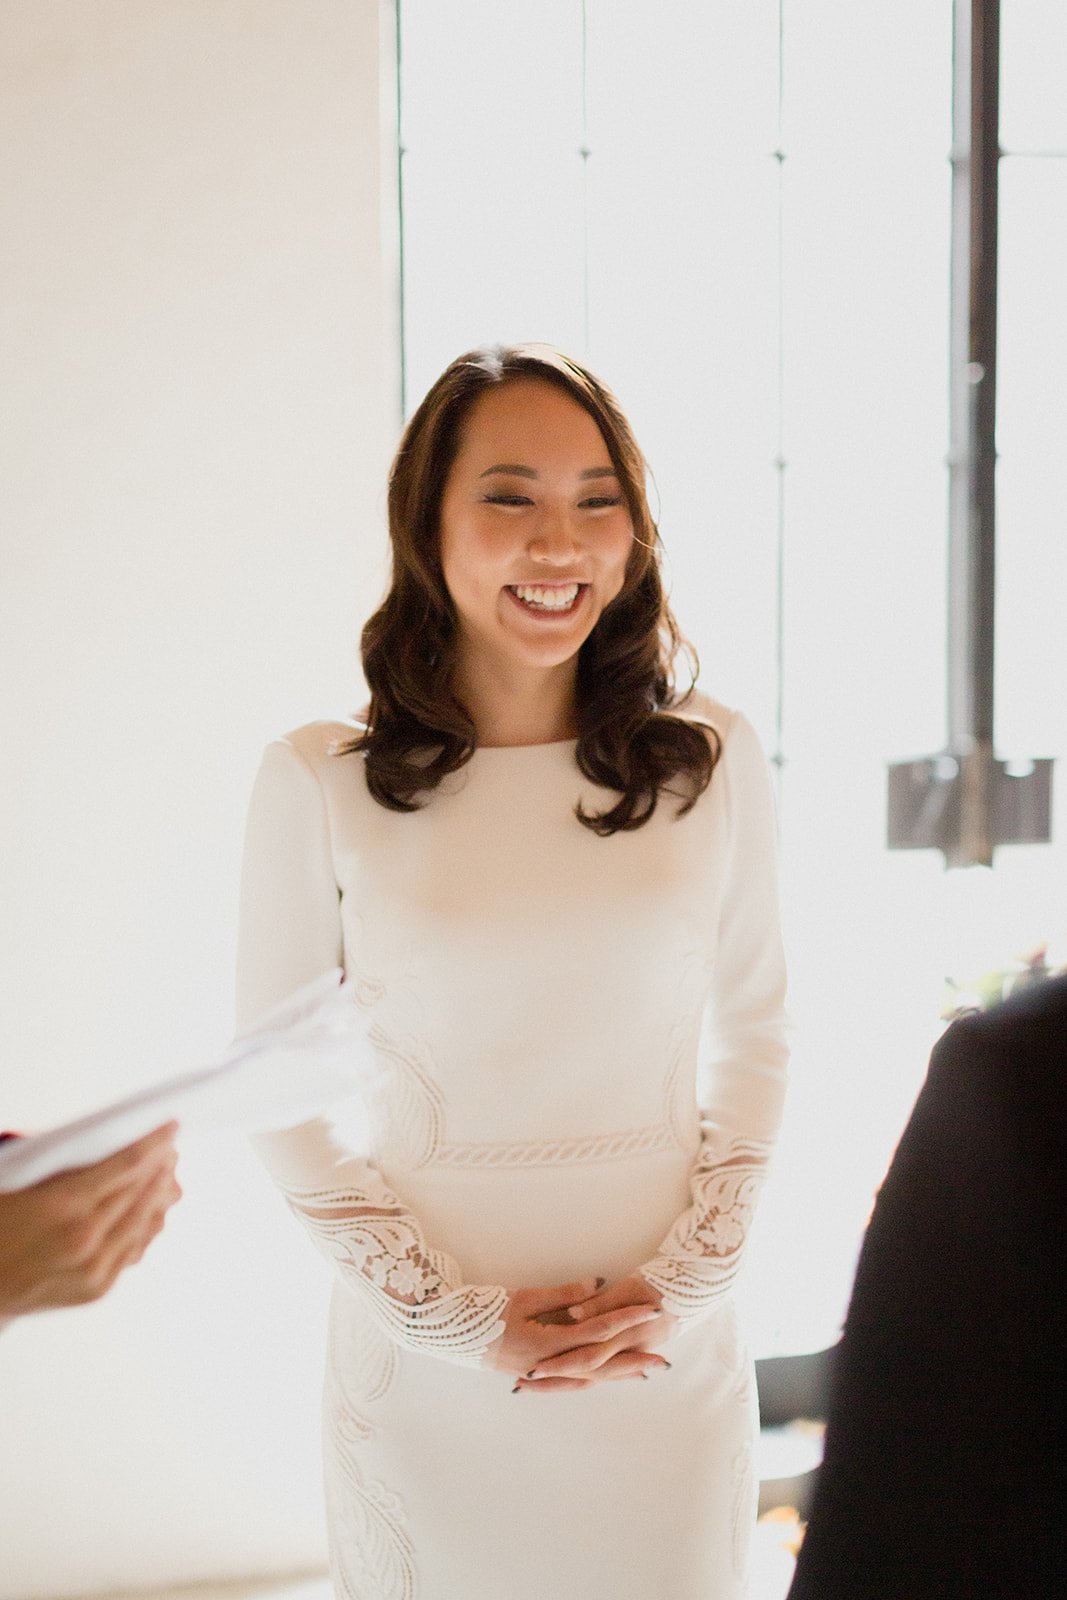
pixel 358 1251
pixel 377 1270
pixel 723 1233
pixel 406 1279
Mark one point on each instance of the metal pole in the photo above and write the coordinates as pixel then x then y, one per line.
pixel 972 483
pixel 964 801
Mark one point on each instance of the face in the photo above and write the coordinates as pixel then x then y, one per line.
pixel 535 530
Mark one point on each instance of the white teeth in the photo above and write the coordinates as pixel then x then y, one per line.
pixel 550 599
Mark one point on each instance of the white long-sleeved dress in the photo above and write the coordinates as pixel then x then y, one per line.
pixel 576 1068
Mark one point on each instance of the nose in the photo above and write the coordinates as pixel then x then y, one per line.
pixel 554 540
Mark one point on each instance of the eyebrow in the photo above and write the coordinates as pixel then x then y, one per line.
pixel 515 471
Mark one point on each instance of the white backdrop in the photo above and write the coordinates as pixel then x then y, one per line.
pixel 198 337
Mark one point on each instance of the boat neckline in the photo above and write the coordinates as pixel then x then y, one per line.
pixel 541 744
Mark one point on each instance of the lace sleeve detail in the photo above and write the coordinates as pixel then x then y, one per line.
pixel 289 931
pixel 742 1083
pixel 698 1261
pixel 416 1293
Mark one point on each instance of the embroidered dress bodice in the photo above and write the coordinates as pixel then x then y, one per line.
pixel 575 1062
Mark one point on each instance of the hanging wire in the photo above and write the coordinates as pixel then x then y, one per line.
pixel 778 753
pixel 584 153
pixel 400 154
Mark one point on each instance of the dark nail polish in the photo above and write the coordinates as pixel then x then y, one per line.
pixel 600 1282
pixel 517 1389
pixel 529 1374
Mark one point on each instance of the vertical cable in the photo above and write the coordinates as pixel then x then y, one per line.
pixel 778 754
pixel 584 153
pixel 400 154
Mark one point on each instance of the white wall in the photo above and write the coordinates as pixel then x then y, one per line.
pixel 197 335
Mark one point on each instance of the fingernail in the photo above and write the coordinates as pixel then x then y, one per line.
pixel 643 1375
pixel 666 1364
pixel 517 1389
pixel 600 1282
pixel 575 1313
pixel 533 1374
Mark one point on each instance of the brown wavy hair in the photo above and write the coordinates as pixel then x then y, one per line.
pixel 417 730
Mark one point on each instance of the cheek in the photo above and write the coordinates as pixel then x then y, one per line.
pixel 471 560
pixel 616 556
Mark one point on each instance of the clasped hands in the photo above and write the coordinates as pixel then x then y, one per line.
pixel 575 1335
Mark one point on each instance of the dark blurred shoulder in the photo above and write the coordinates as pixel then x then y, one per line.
pixel 1021 1044
pixel 1035 1013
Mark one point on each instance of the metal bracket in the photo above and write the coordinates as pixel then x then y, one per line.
pixel 966 805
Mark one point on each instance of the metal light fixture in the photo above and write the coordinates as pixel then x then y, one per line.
pixel 964 801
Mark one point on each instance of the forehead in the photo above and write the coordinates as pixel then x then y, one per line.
pixel 526 418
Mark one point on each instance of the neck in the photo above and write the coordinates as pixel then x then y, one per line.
pixel 510 706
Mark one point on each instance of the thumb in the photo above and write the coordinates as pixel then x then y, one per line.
pixel 538 1301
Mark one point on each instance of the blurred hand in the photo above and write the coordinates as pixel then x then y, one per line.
pixel 65 1240
pixel 538 1330
pixel 626 1353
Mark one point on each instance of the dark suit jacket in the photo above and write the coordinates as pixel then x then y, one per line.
pixel 945 1467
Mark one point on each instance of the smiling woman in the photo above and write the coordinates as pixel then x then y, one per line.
pixel 538 943
pixel 530 557
pixel 526 603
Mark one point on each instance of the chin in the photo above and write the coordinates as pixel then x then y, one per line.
pixel 558 646
pixel 547 659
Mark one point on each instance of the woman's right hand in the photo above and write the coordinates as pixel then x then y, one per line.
pixel 530 1337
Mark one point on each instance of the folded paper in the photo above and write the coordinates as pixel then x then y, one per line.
pixel 296 1062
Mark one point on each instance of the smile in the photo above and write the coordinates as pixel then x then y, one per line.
pixel 548 599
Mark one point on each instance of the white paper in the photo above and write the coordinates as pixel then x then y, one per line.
pixel 297 1061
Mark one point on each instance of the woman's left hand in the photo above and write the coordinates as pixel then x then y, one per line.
pixel 630 1355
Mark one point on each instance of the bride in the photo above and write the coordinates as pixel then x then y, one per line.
pixel 551 880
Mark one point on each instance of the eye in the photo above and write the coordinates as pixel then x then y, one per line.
pixel 508 500
pixel 601 502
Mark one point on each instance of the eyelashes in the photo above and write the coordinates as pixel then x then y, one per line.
pixel 596 503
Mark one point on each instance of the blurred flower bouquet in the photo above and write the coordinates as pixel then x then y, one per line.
pixel 979 994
